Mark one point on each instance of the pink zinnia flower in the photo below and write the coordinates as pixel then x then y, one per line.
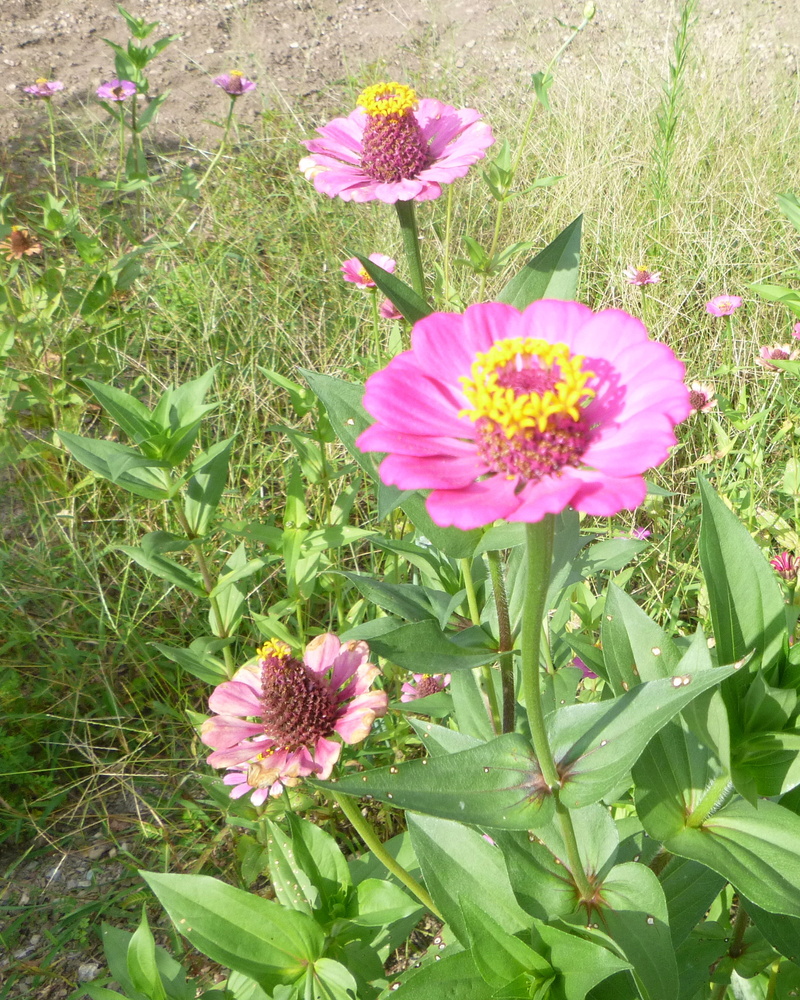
pixel 44 88
pixel 641 276
pixel 578 662
pixel 354 272
pixel 395 148
pixel 516 415
pixel 796 331
pixel 786 566
pixel 388 310
pixel 423 685
pixel 775 352
pixel 116 90
pixel 297 706
pixel 701 397
pixel 723 305
pixel 234 83
pixel 641 534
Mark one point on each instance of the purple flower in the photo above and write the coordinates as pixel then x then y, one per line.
pixel 424 684
pixel 641 276
pixel 786 566
pixel 395 148
pixel 587 673
pixel 44 88
pixel 234 83
pixel 640 534
pixel 775 352
pixel 723 305
pixel 116 90
pixel 354 272
pixel 388 310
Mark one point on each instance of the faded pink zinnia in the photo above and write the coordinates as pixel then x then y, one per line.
pixel 701 397
pixel 44 88
pixel 423 685
pixel 642 276
pixel 775 352
pixel 796 331
pixel 723 305
pixel 516 415
pixel 388 310
pixel 116 90
pixel 353 271
pixel 277 716
pixel 395 148
pixel 234 83
pixel 786 566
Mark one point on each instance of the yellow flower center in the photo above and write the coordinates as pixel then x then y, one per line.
pixel 387 99
pixel 235 72
pixel 274 648
pixel 522 382
pixel 42 79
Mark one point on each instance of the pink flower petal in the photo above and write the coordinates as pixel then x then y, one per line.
pixel 321 652
pixel 223 731
pixel 474 506
pixel 234 698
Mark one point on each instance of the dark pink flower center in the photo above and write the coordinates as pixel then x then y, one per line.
pixel 394 147
pixel 531 453
pixel 297 706
pixel 429 685
pixel 697 399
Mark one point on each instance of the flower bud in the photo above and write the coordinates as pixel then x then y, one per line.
pixel 589 11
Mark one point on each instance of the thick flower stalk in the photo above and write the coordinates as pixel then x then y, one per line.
pixel 275 719
pixel 516 415
pixel 394 147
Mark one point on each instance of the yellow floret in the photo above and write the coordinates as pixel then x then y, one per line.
pixel 387 99
pixel 274 648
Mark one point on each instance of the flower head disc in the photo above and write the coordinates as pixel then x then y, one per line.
pixel 526 399
pixel 387 99
pixel 297 708
pixel 394 147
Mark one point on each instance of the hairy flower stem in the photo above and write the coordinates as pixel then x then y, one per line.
pixel 573 854
pixel 506 643
pixel 372 842
pixel 208 583
pixel 408 229
pixel 711 798
pixel 739 927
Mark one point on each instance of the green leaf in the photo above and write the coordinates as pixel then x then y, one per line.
pixel 746 602
pixel 168 570
pixel 406 600
pixel 596 744
pixel 379 903
pixel 422 647
pixel 241 931
pixel 790 207
pixel 201 665
pixel 551 274
pixel 634 647
pixel 131 415
pixel 121 465
pixel 455 977
pixel 457 864
pixel 209 473
pixel 499 956
pixel 754 848
pixel 496 784
pixel 782 932
pixel 411 305
pixel 689 889
pixel 141 960
pixel 293 888
pixel 469 705
pixel 581 962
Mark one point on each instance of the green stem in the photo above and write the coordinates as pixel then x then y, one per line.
pixel 222 145
pixel 573 854
pixel 719 991
pixel 739 927
pixel 505 640
pixel 712 796
pixel 208 583
pixel 408 228
pixel 121 164
pixel 448 230
pixel 539 556
pixel 52 120
pixel 376 323
pixel 469 586
pixel 373 843
pixel 773 980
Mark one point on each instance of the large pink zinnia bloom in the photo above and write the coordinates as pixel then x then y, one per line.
pixel 395 148
pixel 516 415
pixel 277 715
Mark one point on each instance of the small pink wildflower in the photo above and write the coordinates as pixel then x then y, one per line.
pixel 701 397
pixel 277 716
pixel 234 83
pixel 353 271
pixel 394 147
pixel 44 88
pixel 775 352
pixel 796 331
pixel 423 685
pixel 723 305
pixel 388 310
pixel 640 534
pixel 116 90
pixel 786 566
pixel 587 673
pixel 516 415
pixel 642 276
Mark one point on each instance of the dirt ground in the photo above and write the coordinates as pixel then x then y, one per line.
pixel 307 48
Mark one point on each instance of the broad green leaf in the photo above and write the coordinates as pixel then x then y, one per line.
pixel 596 744
pixel 440 740
pixel 407 600
pixel 689 889
pixel 597 836
pixel 469 705
pixel 452 541
pixel 551 274
pixel 696 958
pixel 379 903
pixel 754 848
pixel 496 784
pixel 167 569
pixel 634 914
pixel 457 863
pixel 141 960
pixel 782 932
pixel 635 648
pixel 120 464
pixel 424 648
pixel 241 931
pixel 204 488
pixel 321 858
pixel 172 975
pixel 201 665
pixel 367 865
pixel 411 305
pixel 581 962
pixel 499 956
pixel 790 207
pixel 131 415
pixel 767 764
pixel 330 980
pixel 536 877
pixel 746 602
pixel 455 977
pixel 293 888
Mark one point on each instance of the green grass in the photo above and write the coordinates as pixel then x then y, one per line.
pixel 249 281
